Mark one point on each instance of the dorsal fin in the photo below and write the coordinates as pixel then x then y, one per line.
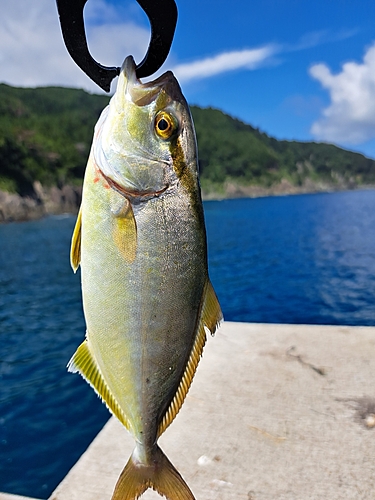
pixel 210 317
pixel 84 363
pixel 75 249
pixel 211 314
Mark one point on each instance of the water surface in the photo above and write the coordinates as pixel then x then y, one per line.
pixel 293 259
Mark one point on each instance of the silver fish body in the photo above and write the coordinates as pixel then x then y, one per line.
pixel 141 243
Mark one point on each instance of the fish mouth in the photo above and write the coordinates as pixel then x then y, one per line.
pixel 133 193
pixel 142 94
pixel 120 135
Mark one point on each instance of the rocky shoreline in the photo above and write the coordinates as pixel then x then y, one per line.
pixel 67 199
pixel 283 188
pixel 41 202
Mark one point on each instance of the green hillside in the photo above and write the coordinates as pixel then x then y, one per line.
pixel 230 150
pixel 46 134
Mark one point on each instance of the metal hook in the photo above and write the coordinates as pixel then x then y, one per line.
pixel 162 15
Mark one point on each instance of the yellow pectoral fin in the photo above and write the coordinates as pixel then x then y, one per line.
pixel 75 249
pixel 210 317
pixel 125 232
pixel 84 363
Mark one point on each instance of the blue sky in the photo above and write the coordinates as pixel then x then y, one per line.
pixel 296 69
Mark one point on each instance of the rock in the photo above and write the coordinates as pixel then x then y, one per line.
pixel 44 201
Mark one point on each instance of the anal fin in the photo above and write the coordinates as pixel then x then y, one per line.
pixel 84 363
pixel 211 310
pixel 210 317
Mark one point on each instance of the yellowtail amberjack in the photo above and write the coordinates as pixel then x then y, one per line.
pixel 140 240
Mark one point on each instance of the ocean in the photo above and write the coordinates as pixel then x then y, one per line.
pixel 293 259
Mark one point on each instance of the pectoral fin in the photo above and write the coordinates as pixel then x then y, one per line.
pixel 84 363
pixel 125 232
pixel 75 249
pixel 210 317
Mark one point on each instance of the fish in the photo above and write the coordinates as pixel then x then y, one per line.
pixel 140 241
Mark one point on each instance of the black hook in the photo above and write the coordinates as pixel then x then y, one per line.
pixel 162 15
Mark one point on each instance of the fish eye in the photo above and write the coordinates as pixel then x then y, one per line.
pixel 165 125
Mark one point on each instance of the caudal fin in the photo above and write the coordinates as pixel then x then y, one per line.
pixel 161 476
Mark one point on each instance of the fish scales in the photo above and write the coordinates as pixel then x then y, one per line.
pixel 141 243
pixel 160 282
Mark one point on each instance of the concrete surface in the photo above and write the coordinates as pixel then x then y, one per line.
pixel 275 412
pixel 281 412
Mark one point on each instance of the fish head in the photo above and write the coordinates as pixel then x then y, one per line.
pixel 145 138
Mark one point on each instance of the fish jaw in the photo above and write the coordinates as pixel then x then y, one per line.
pixel 130 155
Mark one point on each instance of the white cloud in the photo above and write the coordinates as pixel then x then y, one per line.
pixel 322 37
pixel 32 52
pixel 252 58
pixel 221 63
pixel 350 117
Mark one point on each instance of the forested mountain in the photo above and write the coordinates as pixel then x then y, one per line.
pixel 46 134
pixel 232 151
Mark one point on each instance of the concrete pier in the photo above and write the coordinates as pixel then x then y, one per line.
pixel 282 412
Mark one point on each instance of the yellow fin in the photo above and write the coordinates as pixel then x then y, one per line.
pixel 210 317
pixel 75 249
pixel 125 232
pixel 84 363
pixel 161 476
pixel 211 312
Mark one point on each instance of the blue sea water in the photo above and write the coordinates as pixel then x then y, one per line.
pixel 293 259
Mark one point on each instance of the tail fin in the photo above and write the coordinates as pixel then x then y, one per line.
pixel 161 476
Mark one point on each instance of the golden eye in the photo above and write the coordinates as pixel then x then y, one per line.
pixel 165 125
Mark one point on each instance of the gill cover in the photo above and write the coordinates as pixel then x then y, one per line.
pixel 131 146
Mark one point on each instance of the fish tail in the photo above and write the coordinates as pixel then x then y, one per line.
pixel 161 476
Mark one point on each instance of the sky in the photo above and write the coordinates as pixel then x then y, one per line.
pixel 295 69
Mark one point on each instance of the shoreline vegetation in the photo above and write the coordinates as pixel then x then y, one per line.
pixel 46 134
pixel 67 200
